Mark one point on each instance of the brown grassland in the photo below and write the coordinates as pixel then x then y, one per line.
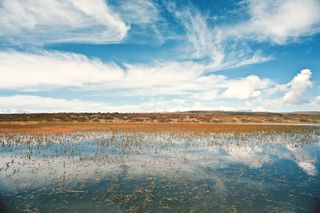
pixel 195 122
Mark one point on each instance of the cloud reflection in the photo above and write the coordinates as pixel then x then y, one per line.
pixel 91 158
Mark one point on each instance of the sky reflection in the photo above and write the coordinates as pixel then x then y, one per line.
pixel 93 158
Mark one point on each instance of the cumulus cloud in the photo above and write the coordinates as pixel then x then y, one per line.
pixel 50 21
pixel 291 94
pixel 297 87
pixel 299 84
pixel 245 88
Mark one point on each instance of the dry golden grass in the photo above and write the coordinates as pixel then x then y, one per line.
pixel 182 117
pixel 65 127
pixel 201 122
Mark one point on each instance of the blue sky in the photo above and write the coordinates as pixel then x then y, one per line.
pixel 159 55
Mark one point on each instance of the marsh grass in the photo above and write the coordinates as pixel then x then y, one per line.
pixel 160 171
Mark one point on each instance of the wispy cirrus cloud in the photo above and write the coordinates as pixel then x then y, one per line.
pixel 229 45
pixel 42 22
pixel 141 12
pixel 146 20
pixel 210 43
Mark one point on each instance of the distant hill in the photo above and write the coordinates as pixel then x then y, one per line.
pixel 311 113
pixel 172 117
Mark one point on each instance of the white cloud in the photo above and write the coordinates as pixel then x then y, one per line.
pixel 316 100
pixel 139 12
pixel 58 69
pixel 147 23
pixel 245 88
pixel 38 104
pixel 214 47
pixel 50 21
pixel 32 104
pixel 198 34
pixel 289 94
pixel 212 44
pixel 279 21
pixel 23 103
pixel 55 69
pixel 206 96
pixel 174 85
pixel 224 46
pixel 49 70
pixel 52 70
pixel 297 87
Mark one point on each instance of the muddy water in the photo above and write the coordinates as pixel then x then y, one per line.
pixel 107 172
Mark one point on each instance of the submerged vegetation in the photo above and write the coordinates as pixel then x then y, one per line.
pixel 274 171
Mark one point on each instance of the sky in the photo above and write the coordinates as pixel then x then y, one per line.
pixel 159 55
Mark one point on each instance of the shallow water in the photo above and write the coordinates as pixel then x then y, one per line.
pixel 108 172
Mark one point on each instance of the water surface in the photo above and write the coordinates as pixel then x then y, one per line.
pixel 117 172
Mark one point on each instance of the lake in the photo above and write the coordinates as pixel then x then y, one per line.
pixel 160 172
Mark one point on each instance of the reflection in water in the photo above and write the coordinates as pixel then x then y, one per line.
pixel 269 172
